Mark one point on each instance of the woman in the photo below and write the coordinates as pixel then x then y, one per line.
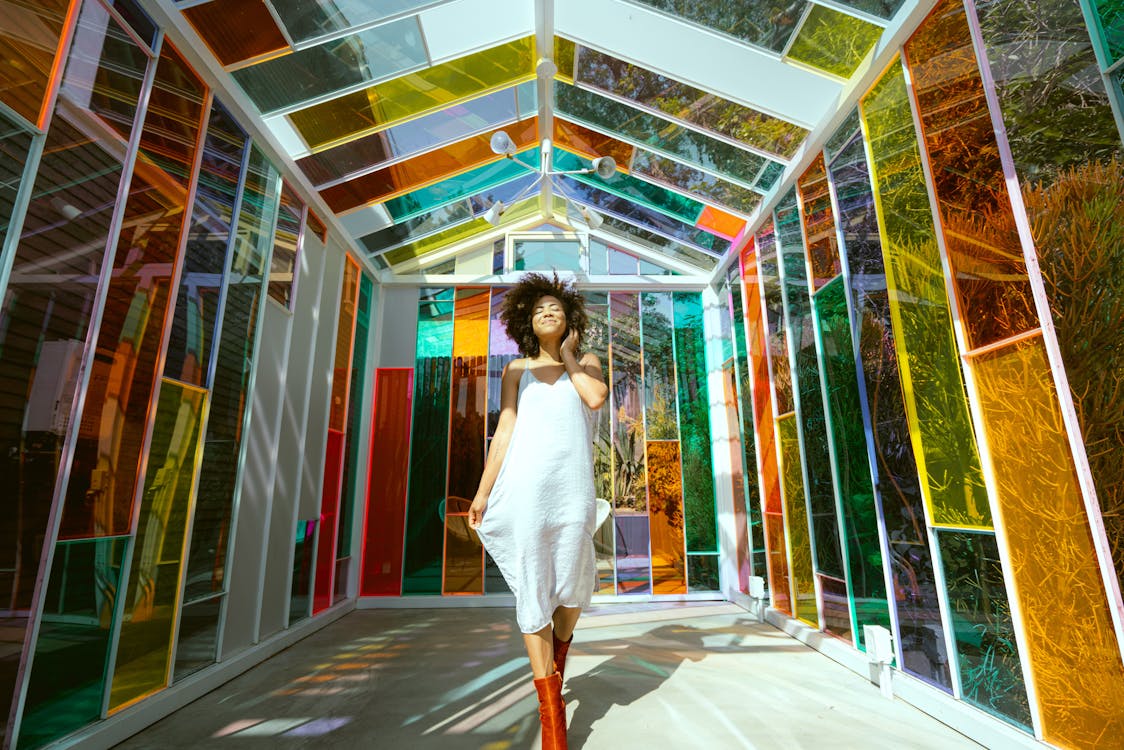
pixel 534 510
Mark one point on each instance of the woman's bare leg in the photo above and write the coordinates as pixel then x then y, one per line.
pixel 565 620
pixel 540 650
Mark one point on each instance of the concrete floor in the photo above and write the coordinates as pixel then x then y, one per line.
pixel 699 675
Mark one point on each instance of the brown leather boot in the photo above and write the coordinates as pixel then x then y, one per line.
pixel 552 712
pixel 561 648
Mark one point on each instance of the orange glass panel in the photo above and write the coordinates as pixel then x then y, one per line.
pixel 464 557
pixel 316 224
pixel 819 224
pixel 425 169
pixel 345 336
pixel 151 606
pixel 665 509
pixel 469 398
pixel 590 143
pixel 721 223
pixel 114 420
pixel 29 39
pixel 1071 644
pixel 236 30
pixel 988 270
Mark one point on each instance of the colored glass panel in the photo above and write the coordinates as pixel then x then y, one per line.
pixel 1110 25
pixel 985 256
pixel 197 636
pixel 836 607
pixel 300 592
pixel 861 546
pixel 703 184
pixel 429 456
pixel 204 262
pixel 469 396
pixel 590 143
pixel 329 518
pixel 313 72
pixel 107 453
pixel 819 224
pixel 630 496
pixel 776 545
pixel 770 173
pixel 345 339
pixel 426 169
pixel 768 268
pixel 449 125
pixel 694 424
pixel 357 378
pixel 236 30
pixel 657 133
pixel 1071 644
pixel 721 223
pixel 893 465
pixel 702 573
pixel 657 242
pixel 763 24
pixel 940 427
pixel 442 239
pixel 638 191
pixel 286 247
pixel 737 475
pixel 384 104
pixel 604 542
pixel 152 599
pixel 796 522
pixel 564 51
pixel 29 40
pixel 68 675
pixel 665 504
pixel 386 489
pixel 680 101
pixel 660 413
pixel 987 654
pixel 455 188
pixel 834 42
pixel 820 487
pixel 842 135
pixel 464 554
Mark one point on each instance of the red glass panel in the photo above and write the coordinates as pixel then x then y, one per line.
pixel 236 30
pixel 329 516
pixel 386 486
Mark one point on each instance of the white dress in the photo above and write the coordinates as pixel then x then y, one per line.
pixel 539 522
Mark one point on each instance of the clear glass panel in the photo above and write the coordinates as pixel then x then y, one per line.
pixel 418 226
pixel 763 23
pixel 702 573
pixel 694 423
pixel 464 557
pixel 137 19
pixel 796 519
pixel 622 263
pixel 152 599
pixel 386 506
pixel 834 42
pixel 382 105
pixel 310 73
pixel 703 184
pixel 449 125
pixel 286 245
pixel 842 135
pixel 300 593
pixel 197 636
pixel 545 255
pixel 836 607
pixel 651 131
pixel 455 188
pixel 15 142
pixel 604 538
pixel 657 243
pixel 768 266
pixel 438 241
pixel 29 39
pixel 329 518
pixel 307 20
pixel 881 8
pixel 236 30
pixel 688 104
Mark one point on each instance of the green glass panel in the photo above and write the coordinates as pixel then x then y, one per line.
pixel 351 477
pixel 702 573
pixel 425 526
pixel 1110 24
pixel 633 189
pixel 650 131
pixel 987 654
pixel 796 521
pixel 703 184
pixel 367 56
pixel 659 367
pixel 833 41
pixel 940 427
pixel 763 23
pixel 300 592
pixel 820 487
pixel 694 423
pixel 414 94
pixel 15 142
pixel 688 104
pixel 152 601
pixel 68 674
pixel 457 188
pixel 307 20
pixel 842 135
pixel 197 636
pixel 769 175
pixel 849 448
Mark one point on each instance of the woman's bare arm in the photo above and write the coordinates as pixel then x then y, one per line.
pixel 509 397
pixel 585 374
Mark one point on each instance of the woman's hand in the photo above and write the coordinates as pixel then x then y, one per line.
pixel 476 511
pixel 570 344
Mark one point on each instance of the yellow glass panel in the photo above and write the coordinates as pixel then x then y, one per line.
pixel 345 335
pixel 564 59
pixel 1071 645
pixel 833 41
pixel 378 107
pixel 152 601
pixel 796 519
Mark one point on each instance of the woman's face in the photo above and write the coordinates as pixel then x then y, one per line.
pixel 548 317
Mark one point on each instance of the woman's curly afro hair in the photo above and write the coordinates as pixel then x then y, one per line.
pixel 519 303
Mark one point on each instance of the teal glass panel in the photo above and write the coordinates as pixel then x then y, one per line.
pixel 626 186
pixel 68 674
pixel 368 56
pixel 15 142
pixel 446 126
pixel 204 260
pixel 197 636
pixel 897 487
pixel 796 523
pixel 694 424
pixel 351 475
pixel 300 593
pixel 660 389
pixel 842 135
pixel 861 545
pixel 657 242
pixel 987 653
pixel 151 606
pixel 546 255
pixel 306 20
pixel 425 504
pixel 769 175
pixel 702 573
pixel 680 101
pixel 687 178
pixel 762 23
pixel 1110 25
pixel 776 339
pixel 458 187
pixel 657 133
pixel 820 487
